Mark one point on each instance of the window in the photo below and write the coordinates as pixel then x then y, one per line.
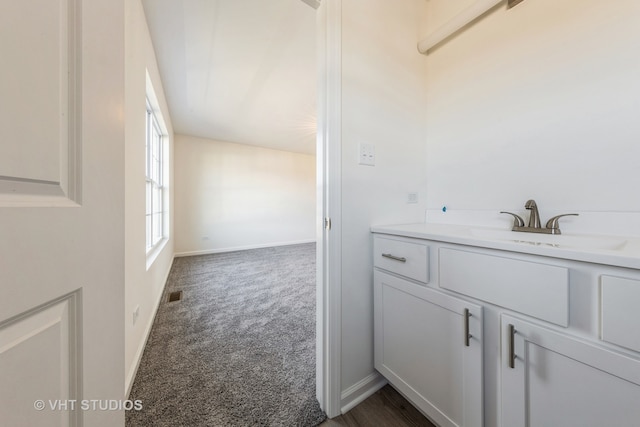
pixel 155 180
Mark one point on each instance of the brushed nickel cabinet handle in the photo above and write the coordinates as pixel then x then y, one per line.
pixel 467 335
pixel 512 350
pixel 395 258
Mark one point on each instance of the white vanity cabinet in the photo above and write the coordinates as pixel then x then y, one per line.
pixel 427 344
pixel 550 378
pixel 559 332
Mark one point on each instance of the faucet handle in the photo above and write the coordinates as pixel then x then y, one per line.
pixel 553 225
pixel 517 219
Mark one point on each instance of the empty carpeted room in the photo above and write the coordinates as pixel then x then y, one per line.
pixel 233 340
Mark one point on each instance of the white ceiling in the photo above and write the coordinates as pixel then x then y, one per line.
pixel 240 71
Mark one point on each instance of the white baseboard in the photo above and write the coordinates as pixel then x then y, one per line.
pixel 242 248
pixel 358 392
pixel 138 358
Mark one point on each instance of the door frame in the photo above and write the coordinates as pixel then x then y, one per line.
pixel 329 224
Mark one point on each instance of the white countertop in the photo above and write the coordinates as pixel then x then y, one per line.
pixel 620 251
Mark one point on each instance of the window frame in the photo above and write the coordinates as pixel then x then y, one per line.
pixel 155 188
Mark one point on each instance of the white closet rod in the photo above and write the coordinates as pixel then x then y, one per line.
pixel 460 20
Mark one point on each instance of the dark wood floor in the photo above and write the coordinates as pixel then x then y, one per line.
pixel 386 408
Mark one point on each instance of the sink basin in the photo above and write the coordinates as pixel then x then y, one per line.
pixel 583 242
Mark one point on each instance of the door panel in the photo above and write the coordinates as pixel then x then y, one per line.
pixel 564 391
pixel 38 117
pixel 413 329
pixel 420 347
pixel 559 380
pixel 61 211
pixel 40 365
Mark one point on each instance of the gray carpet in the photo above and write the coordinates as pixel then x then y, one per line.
pixel 238 349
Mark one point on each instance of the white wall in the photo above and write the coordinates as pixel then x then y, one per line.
pixel 382 104
pixel 233 196
pixel 143 287
pixel 541 101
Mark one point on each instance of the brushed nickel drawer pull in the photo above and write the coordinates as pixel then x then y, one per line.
pixel 395 258
pixel 467 335
pixel 512 350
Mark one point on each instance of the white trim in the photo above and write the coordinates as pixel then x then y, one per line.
pixel 138 357
pixel 321 233
pixel 155 251
pixel 242 248
pixel 329 301
pixel 361 390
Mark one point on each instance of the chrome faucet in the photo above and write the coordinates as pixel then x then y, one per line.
pixel 551 227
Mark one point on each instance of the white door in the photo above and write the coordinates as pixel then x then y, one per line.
pixel 552 379
pixel 429 345
pixel 61 213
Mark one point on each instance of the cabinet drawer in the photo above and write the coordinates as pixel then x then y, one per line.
pixel 538 290
pixel 400 257
pixel 619 308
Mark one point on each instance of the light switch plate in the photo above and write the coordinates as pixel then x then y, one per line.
pixel 366 154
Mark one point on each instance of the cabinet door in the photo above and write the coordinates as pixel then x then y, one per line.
pixel 422 349
pixel 559 380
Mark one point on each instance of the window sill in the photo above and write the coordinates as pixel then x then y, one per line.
pixel 153 253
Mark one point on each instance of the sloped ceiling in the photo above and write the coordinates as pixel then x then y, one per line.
pixel 240 71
